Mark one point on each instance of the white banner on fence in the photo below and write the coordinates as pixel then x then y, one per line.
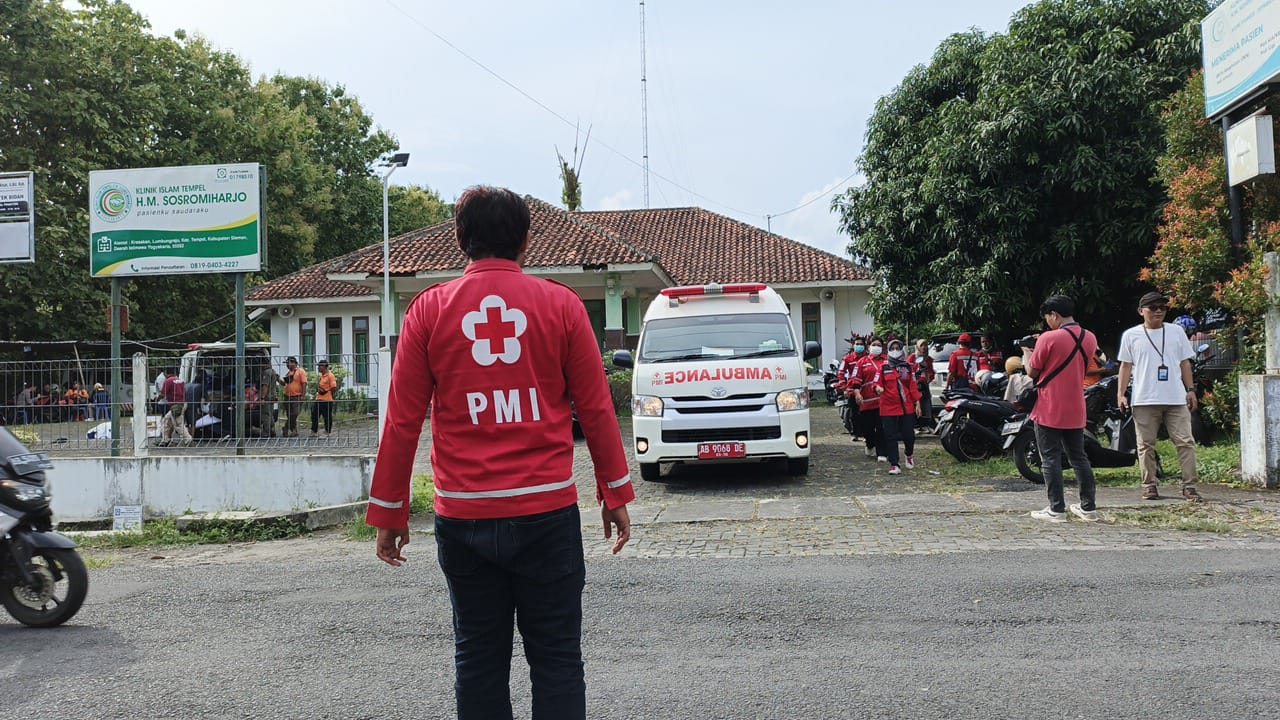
pixel 17 218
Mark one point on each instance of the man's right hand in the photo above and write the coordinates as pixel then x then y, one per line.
pixel 1122 402
pixel 390 545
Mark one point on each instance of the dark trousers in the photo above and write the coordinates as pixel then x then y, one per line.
pixel 530 569
pixel 926 405
pixel 322 409
pixel 869 428
pixel 1052 443
pixel 899 427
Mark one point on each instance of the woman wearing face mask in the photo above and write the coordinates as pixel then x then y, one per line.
pixel 922 367
pixel 899 406
pixel 868 399
pixel 844 375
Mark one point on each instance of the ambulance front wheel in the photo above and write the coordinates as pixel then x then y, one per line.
pixel 798 466
pixel 650 472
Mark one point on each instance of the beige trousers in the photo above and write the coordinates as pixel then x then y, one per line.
pixel 1177 421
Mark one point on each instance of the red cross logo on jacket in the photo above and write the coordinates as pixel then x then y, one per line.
pixel 494 331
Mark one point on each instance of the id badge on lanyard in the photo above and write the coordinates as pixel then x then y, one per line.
pixel 1162 373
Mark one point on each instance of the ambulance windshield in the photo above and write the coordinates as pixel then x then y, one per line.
pixel 716 337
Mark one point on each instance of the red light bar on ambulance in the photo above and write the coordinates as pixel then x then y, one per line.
pixel 713 289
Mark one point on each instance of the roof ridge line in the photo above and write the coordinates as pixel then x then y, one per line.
pixel 603 232
pixel 773 234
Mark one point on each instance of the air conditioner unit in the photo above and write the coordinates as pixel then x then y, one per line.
pixel 285 311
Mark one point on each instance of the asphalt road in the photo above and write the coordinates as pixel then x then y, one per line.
pixel 317 628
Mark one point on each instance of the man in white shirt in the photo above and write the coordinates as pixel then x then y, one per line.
pixel 1157 355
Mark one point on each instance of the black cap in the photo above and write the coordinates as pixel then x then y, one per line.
pixel 324 363
pixel 1060 304
pixel 1152 298
pixel 291 359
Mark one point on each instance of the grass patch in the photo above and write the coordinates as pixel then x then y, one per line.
pixel 421 500
pixel 1181 517
pixel 1218 464
pixel 163 531
pixel 97 562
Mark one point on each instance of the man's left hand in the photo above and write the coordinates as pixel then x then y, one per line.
pixel 616 518
pixel 390 545
pixel 1192 402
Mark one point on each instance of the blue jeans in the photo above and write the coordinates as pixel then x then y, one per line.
pixel 1052 443
pixel 529 569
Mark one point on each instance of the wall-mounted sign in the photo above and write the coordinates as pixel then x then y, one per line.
pixel 1241 42
pixel 1250 149
pixel 175 221
pixel 17 218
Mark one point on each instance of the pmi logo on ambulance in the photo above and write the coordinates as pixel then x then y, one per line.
pixel 675 377
pixel 112 203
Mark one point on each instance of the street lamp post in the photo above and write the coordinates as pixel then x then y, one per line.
pixel 398 160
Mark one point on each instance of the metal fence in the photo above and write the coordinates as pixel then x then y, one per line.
pixel 66 407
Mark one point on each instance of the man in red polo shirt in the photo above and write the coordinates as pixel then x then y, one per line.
pixel 498 355
pixel 1058 364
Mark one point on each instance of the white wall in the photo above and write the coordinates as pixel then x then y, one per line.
pixel 89 488
pixel 846 312
pixel 285 332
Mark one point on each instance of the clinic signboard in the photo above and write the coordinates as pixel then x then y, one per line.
pixel 1241 41
pixel 17 218
pixel 175 221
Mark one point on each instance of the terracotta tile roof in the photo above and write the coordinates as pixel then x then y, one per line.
pixel 694 246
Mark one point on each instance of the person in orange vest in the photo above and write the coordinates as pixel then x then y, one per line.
pixel 295 393
pixel 323 405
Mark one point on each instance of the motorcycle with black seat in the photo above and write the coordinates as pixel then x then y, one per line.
pixel 969 424
pixel 1105 421
pixel 43 581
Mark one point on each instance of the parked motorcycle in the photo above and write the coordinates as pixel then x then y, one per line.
pixel 43 581
pixel 1116 426
pixel 829 379
pixel 969 424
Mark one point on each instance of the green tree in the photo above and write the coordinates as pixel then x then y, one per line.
pixel 91 88
pixel 413 207
pixel 1017 165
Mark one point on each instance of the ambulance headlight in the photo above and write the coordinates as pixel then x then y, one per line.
pixel 793 400
pixel 646 406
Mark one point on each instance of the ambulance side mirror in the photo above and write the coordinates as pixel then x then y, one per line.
pixel 811 350
pixel 623 359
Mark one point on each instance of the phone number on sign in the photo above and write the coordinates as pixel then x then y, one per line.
pixel 216 265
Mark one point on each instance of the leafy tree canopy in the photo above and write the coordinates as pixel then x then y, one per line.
pixel 1015 166
pixel 90 88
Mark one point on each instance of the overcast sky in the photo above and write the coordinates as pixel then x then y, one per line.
pixel 754 108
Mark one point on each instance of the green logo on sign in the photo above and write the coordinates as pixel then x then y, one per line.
pixel 113 202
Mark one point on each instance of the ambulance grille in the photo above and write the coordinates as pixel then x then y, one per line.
pixel 717 409
pixel 703 398
pixel 721 434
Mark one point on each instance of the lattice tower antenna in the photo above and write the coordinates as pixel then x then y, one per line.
pixel 644 110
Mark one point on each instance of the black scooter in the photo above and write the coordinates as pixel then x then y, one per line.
pixel 43 581
pixel 969 424
pixel 1116 425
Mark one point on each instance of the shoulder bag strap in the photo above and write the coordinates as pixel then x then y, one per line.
pixel 1078 348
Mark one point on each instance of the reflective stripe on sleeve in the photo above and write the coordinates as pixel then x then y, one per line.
pixel 619 483
pixel 513 492
pixel 384 504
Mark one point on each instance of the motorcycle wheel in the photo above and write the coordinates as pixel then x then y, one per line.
pixel 62 583
pixel 968 448
pixel 1027 457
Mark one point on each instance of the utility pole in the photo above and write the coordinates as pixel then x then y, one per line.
pixel 644 110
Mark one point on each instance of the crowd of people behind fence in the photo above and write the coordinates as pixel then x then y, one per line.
pixel 200 408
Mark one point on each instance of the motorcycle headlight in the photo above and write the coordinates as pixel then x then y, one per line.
pixel 793 400
pixel 23 492
pixel 646 406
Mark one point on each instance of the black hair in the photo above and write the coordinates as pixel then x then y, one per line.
pixel 1061 304
pixel 491 222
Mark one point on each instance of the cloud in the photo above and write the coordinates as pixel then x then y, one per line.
pixel 621 200
pixel 815 224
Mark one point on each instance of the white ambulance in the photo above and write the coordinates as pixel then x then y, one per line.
pixel 719 377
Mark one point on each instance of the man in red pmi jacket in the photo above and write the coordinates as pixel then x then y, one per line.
pixel 498 355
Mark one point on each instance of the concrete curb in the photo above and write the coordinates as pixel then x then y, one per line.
pixel 311 518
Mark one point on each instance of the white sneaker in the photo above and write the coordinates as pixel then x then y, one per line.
pixel 881 458
pixel 894 470
pixel 1086 515
pixel 911 462
pixel 1049 515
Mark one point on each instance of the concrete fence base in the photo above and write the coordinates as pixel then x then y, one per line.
pixel 90 488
